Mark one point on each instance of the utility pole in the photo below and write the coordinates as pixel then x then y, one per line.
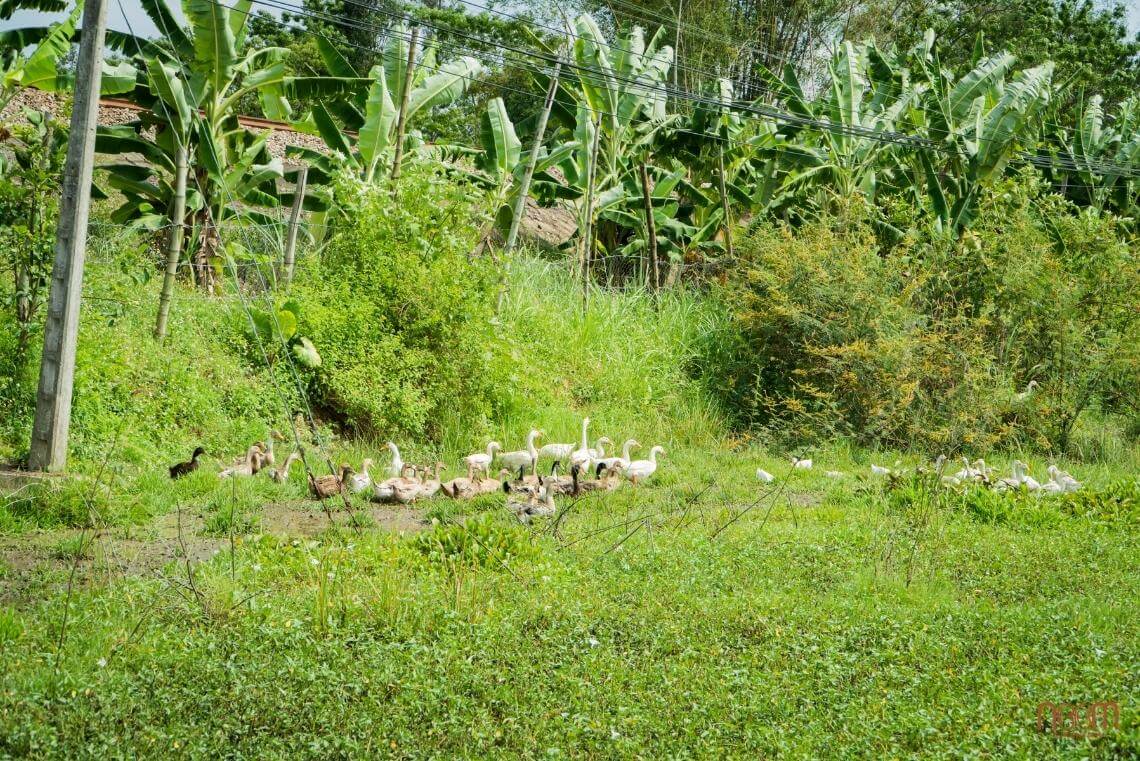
pixel 402 120
pixel 61 328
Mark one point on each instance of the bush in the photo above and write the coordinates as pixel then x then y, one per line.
pixel 931 342
pixel 400 311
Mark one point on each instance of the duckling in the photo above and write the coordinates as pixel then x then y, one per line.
pixel 330 485
pixel 481 461
pixel 186 468
pixel 1066 481
pixel 799 464
pixel 249 466
pixel 281 475
pixel 362 481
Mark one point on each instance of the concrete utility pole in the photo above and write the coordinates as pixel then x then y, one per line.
pixel 57 369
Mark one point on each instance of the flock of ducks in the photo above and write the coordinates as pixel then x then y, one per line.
pixel 528 494
pixel 976 472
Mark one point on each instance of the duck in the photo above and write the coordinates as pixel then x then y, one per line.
pixel 764 476
pixel 541 506
pixel 1028 481
pixel 330 485
pixel 396 466
pixel 406 489
pixel 522 484
pixel 527 458
pixel 583 454
pixel 481 461
pixel 642 469
pixel 186 468
pixel 879 470
pixel 1052 486
pixel 267 457
pixel 385 491
pixel 429 487
pixel 606 479
pixel 280 475
pixel 362 481
pixel 1027 394
pixel 799 464
pixel 967 473
pixel 248 466
pixel 1066 481
pixel 619 462
pixel 834 473
pixel 556 451
pixel 557 483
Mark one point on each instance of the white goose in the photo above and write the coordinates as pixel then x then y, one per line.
pixel 362 481
pixel 526 458
pixel 640 469
pixel 481 461
pixel 619 463
pixel 1028 481
pixel 583 454
pixel 1066 481
pixel 764 476
pixel 396 467
pixel 879 470
pixel 799 464
pixel 556 451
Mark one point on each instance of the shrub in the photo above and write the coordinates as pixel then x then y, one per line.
pixel 399 310
pixel 932 341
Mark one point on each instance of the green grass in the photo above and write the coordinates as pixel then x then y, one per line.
pixel 850 621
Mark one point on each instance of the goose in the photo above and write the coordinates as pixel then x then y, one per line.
pixel 640 469
pixel 1052 486
pixel 764 476
pixel 280 475
pixel 879 470
pixel 556 483
pixel 799 464
pixel 619 462
pixel 406 489
pixel 527 458
pixel 966 473
pixel 385 491
pixel 606 479
pixel 1066 481
pixel 186 468
pixel 396 467
pixel 249 466
pixel 1027 394
pixel 1028 481
pixel 834 474
pixel 429 487
pixel 362 481
pixel 556 451
pixel 490 485
pixel 330 485
pixel 583 454
pixel 481 461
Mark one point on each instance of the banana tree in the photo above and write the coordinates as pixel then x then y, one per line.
pixel 1103 156
pixel 48 46
pixel 975 124
pixel 190 84
pixel 360 130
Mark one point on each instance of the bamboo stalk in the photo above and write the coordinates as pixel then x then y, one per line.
pixel 402 120
pixel 173 242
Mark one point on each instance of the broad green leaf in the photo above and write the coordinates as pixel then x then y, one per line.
pixel 166 83
pixel 379 117
pixel 445 87
pixel 215 48
pixel 501 144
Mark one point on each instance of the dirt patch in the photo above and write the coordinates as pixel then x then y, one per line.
pixel 39 563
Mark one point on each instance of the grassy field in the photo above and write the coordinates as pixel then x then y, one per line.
pixel 697 616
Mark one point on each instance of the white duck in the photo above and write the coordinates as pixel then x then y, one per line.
pixel 527 458
pixel 1027 394
pixel 834 473
pixel 362 481
pixel 1028 481
pixel 396 467
pixel 481 461
pixel 764 476
pixel 799 464
pixel 641 469
pixel 879 470
pixel 619 463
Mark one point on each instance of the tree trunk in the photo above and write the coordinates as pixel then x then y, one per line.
pixel 402 119
pixel 206 252
pixel 650 226
pixel 173 243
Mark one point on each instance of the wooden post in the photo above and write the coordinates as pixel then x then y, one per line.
pixel 402 119
pixel 650 225
pixel 174 242
pixel 57 367
pixel 588 238
pixel 290 256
